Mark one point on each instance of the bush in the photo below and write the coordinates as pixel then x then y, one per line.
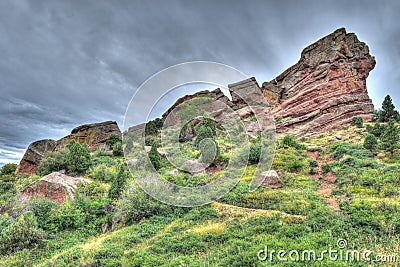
pixel 155 157
pixel 77 158
pixel 376 130
pixel 42 208
pixel 52 162
pixel 209 151
pixel 357 121
pixel 118 184
pixel 24 233
pixel 113 139
pixel 66 217
pixel 290 141
pixel 117 149
pixel 103 173
pixel 255 153
pixel 208 122
pixel 203 132
pixel 370 142
pixel 8 169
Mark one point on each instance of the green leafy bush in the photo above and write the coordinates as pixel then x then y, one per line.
pixel 52 162
pixel 8 169
pixel 203 132
pixel 118 183
pixel 42 208
pixel 24 233
pixel 77 158
pixel 290 141
pixel 357 121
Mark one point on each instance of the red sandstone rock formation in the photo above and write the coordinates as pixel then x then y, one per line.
pixel 56 186
pixel 94 135
pixel 324 90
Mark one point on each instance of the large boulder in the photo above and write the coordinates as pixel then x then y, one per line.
pixel 56 186
pixel 33 155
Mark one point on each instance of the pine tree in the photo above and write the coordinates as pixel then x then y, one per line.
pixel 78 157
pixel 370 142
pixel 118 184
pixel 390 138
pixel 155 157
pixel 388 111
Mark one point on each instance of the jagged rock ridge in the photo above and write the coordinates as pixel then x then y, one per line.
pixel 324 90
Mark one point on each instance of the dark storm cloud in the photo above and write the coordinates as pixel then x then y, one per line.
pixel 65 63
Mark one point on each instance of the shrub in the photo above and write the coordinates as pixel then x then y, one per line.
pixel 52 162
pixel 118 184
pixel 203 132
pixel 113 139
pixel 208 122
pixel 155 157
pixel 77 158
pixel 209 152
pixel 153 127
pixel 255 153
pixel 8 169
pixel 117 149
pixel 357 121
pixel 42 208
pixel 66 217
pixel 370 142
pixel 24 233
pixel 290 141
pixel 376 130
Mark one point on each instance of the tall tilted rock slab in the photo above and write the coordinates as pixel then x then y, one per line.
pixel 33 155
pixel 326 88
pixel 94 135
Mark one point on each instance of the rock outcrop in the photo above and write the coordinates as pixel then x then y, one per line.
pixel 94 135
pixel 33 155
pixel 56 186
pixel 324 90
pixel 270 179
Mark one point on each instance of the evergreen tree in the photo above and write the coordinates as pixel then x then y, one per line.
pixel 357 121
pixel 155 157
pixel 388 111
pixel 118 184
pixel 8 169
pixel 390 138
pixel 370 142
pixel 78 157
pixel 203 132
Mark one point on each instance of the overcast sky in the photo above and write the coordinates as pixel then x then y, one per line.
pixel 66 63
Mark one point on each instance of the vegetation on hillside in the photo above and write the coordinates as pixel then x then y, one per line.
pixel 347 187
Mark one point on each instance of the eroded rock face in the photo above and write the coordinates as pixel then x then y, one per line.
pixel 56 186
pixel 94 135
pixel 33 155
pixel 326 88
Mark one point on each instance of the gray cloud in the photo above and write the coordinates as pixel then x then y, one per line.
pixel 65 63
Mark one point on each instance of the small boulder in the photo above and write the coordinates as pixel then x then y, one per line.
pixel 270 179
pixel 192 167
